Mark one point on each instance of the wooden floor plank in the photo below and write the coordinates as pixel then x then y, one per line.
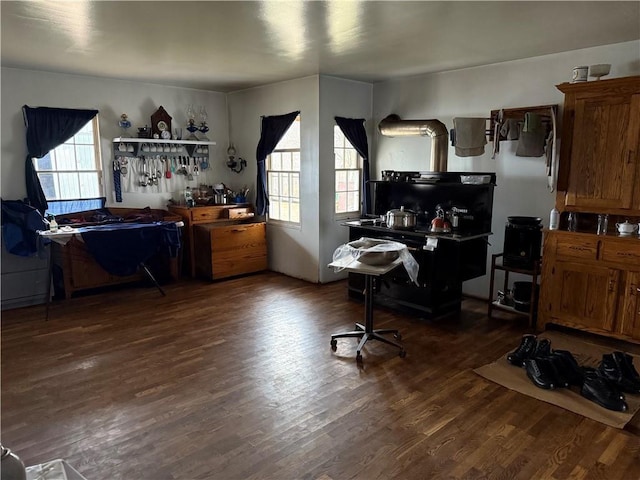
pixel 236 380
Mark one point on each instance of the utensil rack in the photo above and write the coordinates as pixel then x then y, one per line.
pixel 518 114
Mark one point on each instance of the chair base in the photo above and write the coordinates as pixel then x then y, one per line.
pixel 360 332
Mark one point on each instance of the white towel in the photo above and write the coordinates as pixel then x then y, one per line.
pixel 471 136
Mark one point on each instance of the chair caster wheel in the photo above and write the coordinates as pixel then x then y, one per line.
pixel 403 353
pixel 359 359
pixel 334 345
pixel 397 336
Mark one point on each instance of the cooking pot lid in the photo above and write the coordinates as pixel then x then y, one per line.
pixel 400 211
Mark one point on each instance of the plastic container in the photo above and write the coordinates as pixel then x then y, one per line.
pixel 554 219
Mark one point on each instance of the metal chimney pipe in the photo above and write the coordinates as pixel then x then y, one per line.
pixel 394 126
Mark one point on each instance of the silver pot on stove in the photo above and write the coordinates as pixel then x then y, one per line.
pixel 401 219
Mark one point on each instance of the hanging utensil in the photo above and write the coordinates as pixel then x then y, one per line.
pixel 167 172
pixel 189 174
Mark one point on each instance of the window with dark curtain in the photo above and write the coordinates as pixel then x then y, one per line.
pixel 272 130
pixel 353 129
pixel 46 129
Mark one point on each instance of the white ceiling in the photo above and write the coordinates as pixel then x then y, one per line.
pixel 227 46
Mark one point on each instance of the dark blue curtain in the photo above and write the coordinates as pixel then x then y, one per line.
pixel 20 225
pixel 353 129
pixel 46 129
pixel 272 130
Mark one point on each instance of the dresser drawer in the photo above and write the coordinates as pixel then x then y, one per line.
pixel 584 248
pixel 206 214
pixel 623 251
pixel 228 250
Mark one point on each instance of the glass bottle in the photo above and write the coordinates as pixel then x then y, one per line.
pixel 603 224
pixel 572 222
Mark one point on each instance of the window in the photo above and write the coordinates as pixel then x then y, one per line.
pixel 283 177
pixel 72 171
pixel 348 165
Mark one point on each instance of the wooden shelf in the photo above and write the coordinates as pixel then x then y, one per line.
pixel 161 140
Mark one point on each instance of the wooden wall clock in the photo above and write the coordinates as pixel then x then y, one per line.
pixel 161 123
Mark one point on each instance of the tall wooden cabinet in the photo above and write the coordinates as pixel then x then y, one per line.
pixel 591 282
pixel 600 149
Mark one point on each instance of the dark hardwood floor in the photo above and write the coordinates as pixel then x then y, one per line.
pixel 237 380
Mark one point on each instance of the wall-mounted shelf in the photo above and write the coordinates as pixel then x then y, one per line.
pixel 190 147
pixel 544 111
pixel 160 140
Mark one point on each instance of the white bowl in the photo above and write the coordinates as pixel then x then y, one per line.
pixel 599 70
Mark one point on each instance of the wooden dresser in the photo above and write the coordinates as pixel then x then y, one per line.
pixel 222 240
pixel 592 282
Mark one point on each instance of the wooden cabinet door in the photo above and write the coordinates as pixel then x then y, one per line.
pixel 238 249
pixel 604 152
pixel 584 296
pixel 630 315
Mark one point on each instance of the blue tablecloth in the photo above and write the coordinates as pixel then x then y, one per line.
pixel 120 248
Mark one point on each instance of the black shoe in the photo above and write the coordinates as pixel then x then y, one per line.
pixel 567 364
pixel 618 368
pixel 543 349
pixel 597 389
pixel 556 370
pixel 540 373
pixel 525 349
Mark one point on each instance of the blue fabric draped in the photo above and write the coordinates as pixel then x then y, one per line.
pixel 120 248
pixel 272 130
pixel 46 129
pixel 353 129
pixel 20 223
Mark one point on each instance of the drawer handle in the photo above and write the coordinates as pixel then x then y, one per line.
pixel 580 249
pixel 625 254
pixel 238 230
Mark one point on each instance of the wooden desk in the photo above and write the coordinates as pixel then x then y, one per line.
pixel 366 332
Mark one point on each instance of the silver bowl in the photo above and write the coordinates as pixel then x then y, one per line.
pixel 372 258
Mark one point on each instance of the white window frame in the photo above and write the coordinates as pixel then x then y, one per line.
pixel 344 148
pixel 291 174
pixel 97 157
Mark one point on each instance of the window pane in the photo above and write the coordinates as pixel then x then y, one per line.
pixel 286 161
pixel 47 180
pixel 85 136
pixel 84 157
pixel 284 184
pixel 338 137
pixel 295 162
pixel 339 158
pixel 284 211
pixel 69 187
pixel 65 157
pixel 295 186
pixel 276 161
pixel 274 183
pixel 353 180
pixel 274 209
pixel 291 139
pixel 89 182
pixel 341 181
pixel 295 212
pixel 353 203
pixel 44 163
pixel 351 159
pixel 341 202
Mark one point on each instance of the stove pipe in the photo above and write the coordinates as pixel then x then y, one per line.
pixel 393 126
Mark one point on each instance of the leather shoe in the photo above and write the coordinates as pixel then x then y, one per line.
pixel 599 390
pixel 540 372
pixel 568 366
pixel 618 368
pixel 543 349
pixel 525 350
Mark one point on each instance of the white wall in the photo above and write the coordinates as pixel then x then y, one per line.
pixel 343 98
pixel 521 182
pixel 110 98
pixel 23 278
pixel 292 250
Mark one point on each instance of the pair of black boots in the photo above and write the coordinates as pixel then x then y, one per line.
pixel 559 369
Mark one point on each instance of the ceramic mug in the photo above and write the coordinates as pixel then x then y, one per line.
pixel 122 147
pixel 580 74
pixel 145 147
pixel 130 147
pixel 152 148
